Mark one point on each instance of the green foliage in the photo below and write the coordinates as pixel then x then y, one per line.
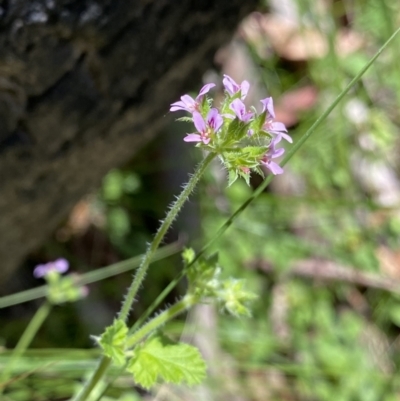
pixel 188 256
pixel 64 291
pixel 203 277
pixel 205 281
pixel 116 184
pixel 118 222
pixel 234 297
pixel 159 358
pixel 318 340
pixel 236 131
pixel 113 341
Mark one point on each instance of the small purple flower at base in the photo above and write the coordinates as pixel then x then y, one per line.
pixel 273 153
pixel 206 128
pixel 273 127
pixel 60 265
pixel 187 103
pixel 232 87
pixel 238 107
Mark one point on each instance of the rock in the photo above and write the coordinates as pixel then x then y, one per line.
pixel 83 85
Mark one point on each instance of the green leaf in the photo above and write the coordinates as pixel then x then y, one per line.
pixel 254 153
pixel 173 363
pixel 188 255
pixel 185 119
pixel 245 176
pixel 233 176
pixel 113 341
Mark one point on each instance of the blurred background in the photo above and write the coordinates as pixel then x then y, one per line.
pixel 320 247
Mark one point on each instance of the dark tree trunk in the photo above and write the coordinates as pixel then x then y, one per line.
pixel 83 85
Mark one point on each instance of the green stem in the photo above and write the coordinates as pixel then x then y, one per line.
pixel 25 340
pixel 171 215
pixel 159 299
pixel 173 311
pixel 100 371
pixel 142 270
pixel 155 323
pixel 90 277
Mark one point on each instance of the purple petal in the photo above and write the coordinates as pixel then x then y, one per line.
pixel 285 136
pixel 39 271
pixel 238 107
pixel 244 88
pixel 214 119
pixel 178 106
pixel 240 110
pixel 277 152
pixel 204 90
pixel 61 265
pixel 199 122
pixel 273 167
pixel 230 85
pixel 276 140
pixel 279 129
pixel 277 126
pixel 279 136
pixel 268 105
pixel 186 103
pixel 192 138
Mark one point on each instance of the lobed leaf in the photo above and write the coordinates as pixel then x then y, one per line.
pixel 113 341
pixel 173 363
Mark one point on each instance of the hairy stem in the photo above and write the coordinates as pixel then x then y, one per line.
pixel 187 302
pixel 98 374
pixel 171 215
pixel 142 270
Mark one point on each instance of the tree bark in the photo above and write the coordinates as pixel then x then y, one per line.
pixel 83 85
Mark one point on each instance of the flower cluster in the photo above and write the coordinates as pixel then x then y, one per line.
pixel 244 140
pixel 60 289
pixel 59 265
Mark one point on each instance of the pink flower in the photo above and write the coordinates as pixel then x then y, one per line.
pixel 239 109
pixel 271 126
pixel 60 265
pixel 273 154
pixel 189 104
pixel 206 128
pixel 232 87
